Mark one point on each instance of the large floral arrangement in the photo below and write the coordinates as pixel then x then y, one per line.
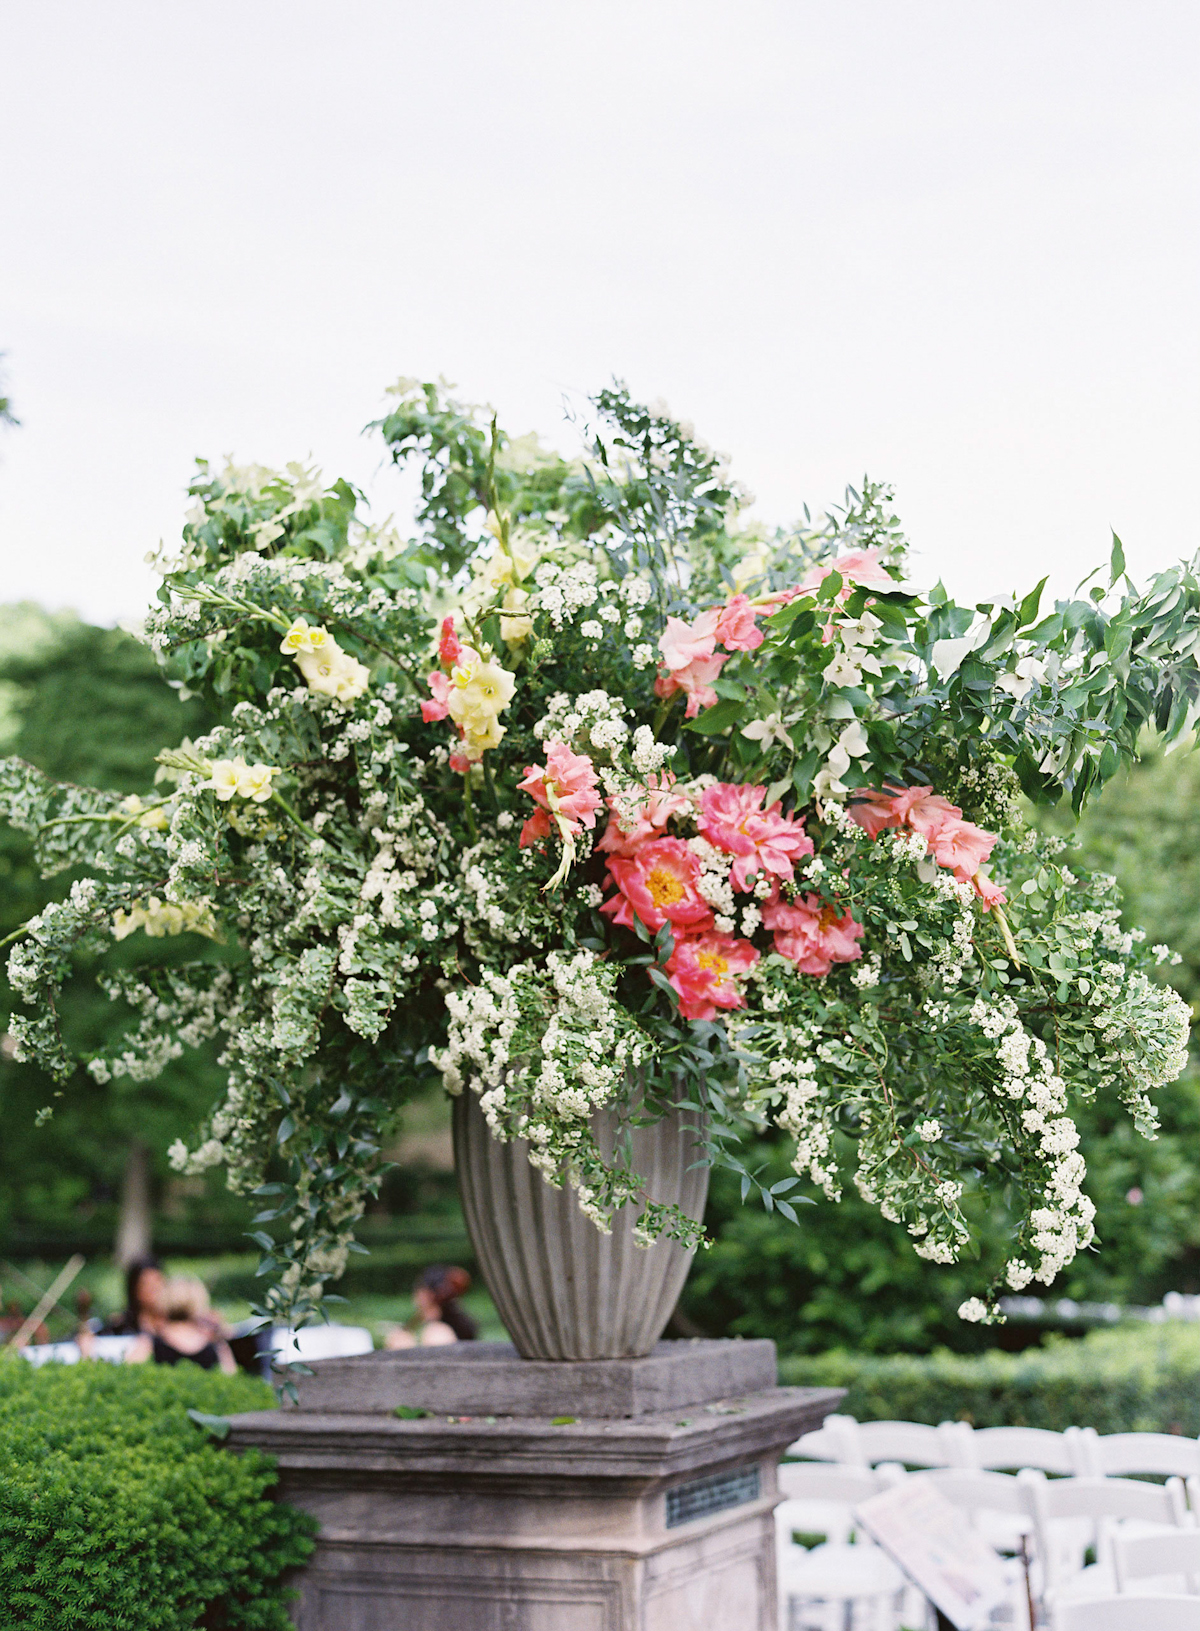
pixel 591 792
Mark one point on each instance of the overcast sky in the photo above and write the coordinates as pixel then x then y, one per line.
pixel 950 243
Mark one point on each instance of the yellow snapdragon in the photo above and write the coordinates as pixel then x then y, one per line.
pixel 154 817
pixel 235 776
pixel 480 690
pixel 159 918
pixel 327 669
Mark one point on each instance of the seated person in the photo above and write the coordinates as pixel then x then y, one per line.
pixel 439 1318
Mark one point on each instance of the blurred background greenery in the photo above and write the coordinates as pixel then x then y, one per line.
pixel 88 704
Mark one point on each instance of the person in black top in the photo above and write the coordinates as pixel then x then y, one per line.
pixel 439 1316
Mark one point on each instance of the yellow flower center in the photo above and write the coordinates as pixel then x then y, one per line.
pixel 665 888
pixel 713 961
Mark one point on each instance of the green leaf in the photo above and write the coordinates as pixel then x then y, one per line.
pixel 1116 565
pixel 411 1412
pixel 218 1426
pixel 719 717
pixel 563 1421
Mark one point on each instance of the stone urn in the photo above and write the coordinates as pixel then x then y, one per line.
pixel 563 1289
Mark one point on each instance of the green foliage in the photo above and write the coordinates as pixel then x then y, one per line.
pixel 119 1513
pixel 89 705
pixel 1136 1379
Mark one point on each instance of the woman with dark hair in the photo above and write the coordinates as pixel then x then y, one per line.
pixel 145 1298
pixel 439 1316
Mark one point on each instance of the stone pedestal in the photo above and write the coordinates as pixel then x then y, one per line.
pixel 649 1510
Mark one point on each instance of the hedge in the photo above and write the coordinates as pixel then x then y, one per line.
pixel 1133 1379
pixel 119 1513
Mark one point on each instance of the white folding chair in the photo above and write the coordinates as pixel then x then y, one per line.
pixel 1162 1455
pixel 991 1448
pixel 868 1443
pixel 835 1440
pixel 1104 1502
pixel 1129 1614
pixel 825 1586
pixel 1172 1558
pixel 912 1443
pixel 321 1342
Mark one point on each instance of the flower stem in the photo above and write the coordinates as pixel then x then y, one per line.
pixel 288 811
pixel 467 806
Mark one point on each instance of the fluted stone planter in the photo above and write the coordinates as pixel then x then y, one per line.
pixel 563 1289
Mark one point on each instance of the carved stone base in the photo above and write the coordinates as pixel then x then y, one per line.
pixel 656 1521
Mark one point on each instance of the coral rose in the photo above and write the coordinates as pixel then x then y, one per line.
pixel 702 968
pixel 661 884
pixel 737 626
pixel 732 818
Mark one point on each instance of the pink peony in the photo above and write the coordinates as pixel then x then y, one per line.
pixel 702 969
pixel 811 933
pixel 449 646
pixel 440 706
pixel 459 764
pixel 696 679
pixel 650 819
pixel 732 818
pixel 565 786
pixel 737 625
pixel 661 884
pixel 684 643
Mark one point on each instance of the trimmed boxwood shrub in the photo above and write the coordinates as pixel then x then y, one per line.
pixel 1134 1379
pixel 119 1513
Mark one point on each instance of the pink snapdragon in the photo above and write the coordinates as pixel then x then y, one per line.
pixel 449 645
pixel 703 970
pixel 732 818
pixel 440 706
pixel 811 933
pixel 661 884
pixel 646 820
pixel 696 679
pixel 565 790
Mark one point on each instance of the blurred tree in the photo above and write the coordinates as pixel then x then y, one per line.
pixel 89 705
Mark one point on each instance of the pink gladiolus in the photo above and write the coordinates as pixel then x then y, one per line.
pixel 449 646
pixel 954 843
pixel 538 826
pixel 856 567
pixel 661 884
pixel 732 818
pixel 962 847
pixel 650 819
pixel 565 786
pixel 696 679
pixel 811 933
pixel 684 643
pixel 737 625
pixel 929 813
pixel 440 706
pixel 702 969
pixel 989 893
